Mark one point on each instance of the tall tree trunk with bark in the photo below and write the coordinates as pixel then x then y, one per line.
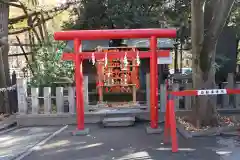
pixel 208 19
pixel 4 48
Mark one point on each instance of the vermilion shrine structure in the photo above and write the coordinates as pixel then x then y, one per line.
pixel 78 56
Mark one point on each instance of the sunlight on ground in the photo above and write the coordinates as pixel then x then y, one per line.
pixel 19 140
pixel 180 149
pixel 2 157
pixel 223 153
pixel 89 146
pixel 72 147
pixel 56 144
pixel 9 142
pixel 6 138
pixel 33 130
pixel 61 143
pixel 138 155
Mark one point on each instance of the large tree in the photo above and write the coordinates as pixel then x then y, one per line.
pixel 118 13
pixel 4 48
pixel 208 20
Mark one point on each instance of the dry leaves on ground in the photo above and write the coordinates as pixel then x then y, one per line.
pixel 3 116
pixel 224 121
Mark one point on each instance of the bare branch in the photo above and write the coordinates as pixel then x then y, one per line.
pixel 30 27
pixel 25 55
pixel 53 10
pixel 219 16
pixel 10 3
pixel 221 10
pixel 20 54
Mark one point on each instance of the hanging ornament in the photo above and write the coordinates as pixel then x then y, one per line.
pixel 125 79
pixel 93 59
pixel 105 60
pixel 138 59
pixel 125 60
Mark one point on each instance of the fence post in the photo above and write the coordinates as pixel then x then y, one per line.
pixel 225 98
pixel 13 94
pixel 176 98
pixel 188 99
pixel 148 89
pixel 237 97
pixel 230 84
pixel 71 99
pixel 35 101
pixel 47 100
pixel 59 99
pixel 163 97
pixel 22 96
pixel 85 91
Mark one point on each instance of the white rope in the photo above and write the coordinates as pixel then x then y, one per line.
pixel 8 88
pixel 138 59
pixel 125 60
pixel 93 59
pixel 105 60
pixel 211 91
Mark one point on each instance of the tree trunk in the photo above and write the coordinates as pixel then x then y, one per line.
pixel 4 48
pixel 208 19
pixel 5 13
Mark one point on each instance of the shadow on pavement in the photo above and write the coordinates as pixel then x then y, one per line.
pixel 14 143
pixel 131 143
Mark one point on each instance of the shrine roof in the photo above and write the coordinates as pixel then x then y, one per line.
pixel 163 43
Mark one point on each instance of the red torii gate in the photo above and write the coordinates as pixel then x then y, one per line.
pixel 78 56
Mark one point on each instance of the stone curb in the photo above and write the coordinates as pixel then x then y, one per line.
pixel 183 132
pixel 8 123
pixel 8 130
pixel 216 131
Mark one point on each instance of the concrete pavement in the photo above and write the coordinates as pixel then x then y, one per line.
pixel 18 141
pixel 128 143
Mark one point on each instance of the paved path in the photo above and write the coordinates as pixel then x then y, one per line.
pixel 132 144
pixel 14 143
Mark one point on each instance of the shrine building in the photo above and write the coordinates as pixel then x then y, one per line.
pixel 119 80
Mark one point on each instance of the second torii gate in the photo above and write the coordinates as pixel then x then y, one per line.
pixel 78 56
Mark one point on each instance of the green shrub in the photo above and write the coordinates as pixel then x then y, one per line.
pixel 48 68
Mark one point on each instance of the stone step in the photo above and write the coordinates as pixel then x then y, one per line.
pixel 118 121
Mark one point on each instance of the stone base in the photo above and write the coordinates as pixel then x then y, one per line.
pixel 81 132
pixel 118 121
pixel 150 130
pixel 233 133
pixel 31 120
pixel 183 132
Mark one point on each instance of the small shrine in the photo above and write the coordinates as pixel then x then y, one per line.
pixel 117 75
